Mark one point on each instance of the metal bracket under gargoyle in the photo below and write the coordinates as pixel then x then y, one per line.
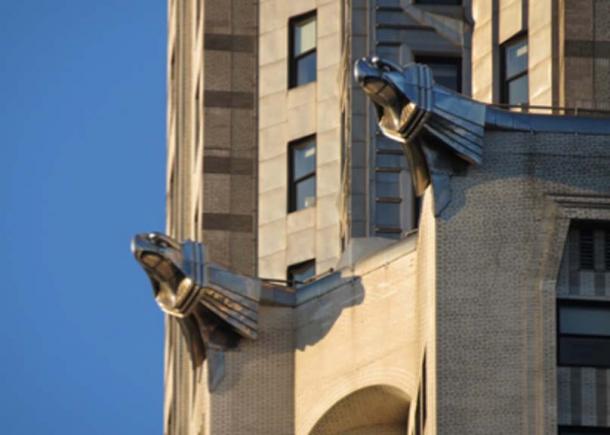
pixel 215 308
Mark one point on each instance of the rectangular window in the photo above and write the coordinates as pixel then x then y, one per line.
pixel 584 333
pixel 302 46
pixel 299 273
pixel 447 71
pixel 593 245
pixel 515 83
pixel 302 174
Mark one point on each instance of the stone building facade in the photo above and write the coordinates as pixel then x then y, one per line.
pixel 402 322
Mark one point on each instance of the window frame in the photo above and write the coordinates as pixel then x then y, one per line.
pixel 593 226
pixel 504 79
pixel 571 302
pixel 299 266
pixel 292 182
pixel 454 60
pixel 292 58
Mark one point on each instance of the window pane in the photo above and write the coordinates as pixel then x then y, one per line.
pixel 518 91
pixel 306 69
pixel 304 159
pixel 387 215
pixel 584 321
pixel 516 58
pixel 305 193
pixel 581 351
pixel 304 36
pixel 387 184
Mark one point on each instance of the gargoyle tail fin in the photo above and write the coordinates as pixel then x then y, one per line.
pixel 238 311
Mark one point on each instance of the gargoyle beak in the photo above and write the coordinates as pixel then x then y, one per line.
pixel 368 76
pixel 375 77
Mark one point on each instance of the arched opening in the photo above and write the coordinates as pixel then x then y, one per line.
pixel 375 410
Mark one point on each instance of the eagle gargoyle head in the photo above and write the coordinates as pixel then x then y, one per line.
pixel 163 260
pixel 392 90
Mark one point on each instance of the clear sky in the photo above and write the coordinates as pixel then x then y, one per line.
pixel 82 168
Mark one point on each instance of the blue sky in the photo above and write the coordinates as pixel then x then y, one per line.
pixel 82 168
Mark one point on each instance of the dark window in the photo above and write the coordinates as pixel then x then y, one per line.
pixel 583 430
pixel 593 245
pixel 515 83
pixel 447 71
pixel 301 272
pixel 438 2
pixel 584 333
pixel 302 174
pixel 302 46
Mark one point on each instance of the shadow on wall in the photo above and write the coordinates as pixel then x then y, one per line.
pixel 320 305
pixel 375 410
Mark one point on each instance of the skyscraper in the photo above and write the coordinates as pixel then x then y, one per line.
pixel 488 316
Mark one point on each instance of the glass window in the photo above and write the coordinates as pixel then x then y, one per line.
pixel 302 66
pixel 518 92
pixel 584 333
pixel 301 272
pixel 592 245
pixel 584 320
pixel 447 71
pixel 515 83
pixel 302 174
